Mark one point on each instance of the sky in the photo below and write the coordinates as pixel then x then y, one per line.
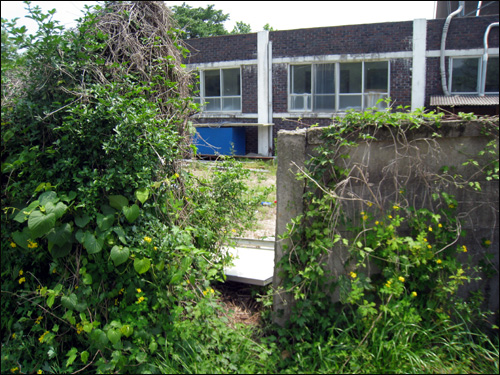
pixel 279 14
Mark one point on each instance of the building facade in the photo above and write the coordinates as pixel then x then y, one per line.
pixel 268 81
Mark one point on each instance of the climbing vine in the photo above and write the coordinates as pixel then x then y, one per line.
pixel 404 259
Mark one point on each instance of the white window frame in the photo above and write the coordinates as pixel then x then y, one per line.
pixel 479 75
pixel 202 99
pixel 311 97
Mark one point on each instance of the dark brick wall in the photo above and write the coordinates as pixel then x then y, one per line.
pixel 249 89
pixel 280 88
pixel 222 48
pixel 463 33
pixel 401 82
pixel 373 38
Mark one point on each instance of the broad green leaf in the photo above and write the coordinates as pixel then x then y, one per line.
pixel 87 279
pixel 141 357
pixel 69 301
pixel 127 330
pixel 68 197
pixel 142 265
pixel 72 356
pixel 99 337
pixel 23 214
pixel 61 251
pixel 84 356
pixel 105 222
pixel 142 195
pixel 57 209
pixel 51 298
pixel 92 244
pixel 121 234
pixel 40 224
pixel 114 335
pixel 80 235
pixel 131 213
pixel 60 235
pixel 118 201
pixel 22 238
pixel 48 196
pixel 119 255
pixel 81 221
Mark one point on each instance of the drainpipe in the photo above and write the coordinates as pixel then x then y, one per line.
pixel 482 88
pixel 443 44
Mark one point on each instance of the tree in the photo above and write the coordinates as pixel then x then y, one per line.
pixel 200 22
pixel 241 28
pixel 268 27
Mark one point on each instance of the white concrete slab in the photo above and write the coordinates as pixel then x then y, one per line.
pixel 251 265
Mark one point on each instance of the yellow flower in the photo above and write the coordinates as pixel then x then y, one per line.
pixel 12 244
pixel 401 278
pixel 14 369
pixel 464 249
pixel 139 290
pixel 413 294
pixel 369 204
pixel 22 280
pixel 365 217
pixel 440 225
pixel 389 216
pixel 43 336
pixel 38 320
pixel 32 245
pixel 430 228
pixel 14 335
pixel 439 261
pixel 39 372
pixel 429 246
pixel 148 239
pixel 425 239
pixel 363 212
pixel 176 175
pixel 54 270
pixel 141 298
pixel 376 223
pixel 353 275
pixel 155 248
pixel 79 328
pixel 21 272
pixel 116 301
pixel 487 242
pixel 388 283
pixel 395 207
pixel 121 291
pixel 451 205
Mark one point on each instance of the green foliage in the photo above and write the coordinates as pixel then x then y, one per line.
pixel 106 242
pixel 404 265
pixel 200 22
pixel 204 22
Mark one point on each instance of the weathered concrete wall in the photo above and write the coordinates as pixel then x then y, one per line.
pixel 384 166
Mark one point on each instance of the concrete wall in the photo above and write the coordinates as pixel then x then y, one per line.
pixel 412 163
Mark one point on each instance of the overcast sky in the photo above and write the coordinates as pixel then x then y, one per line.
pixel 280 15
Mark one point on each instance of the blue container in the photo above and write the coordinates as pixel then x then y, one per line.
pixel 220 141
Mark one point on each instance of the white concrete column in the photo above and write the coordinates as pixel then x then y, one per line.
pixel 418 63
pixel 263 92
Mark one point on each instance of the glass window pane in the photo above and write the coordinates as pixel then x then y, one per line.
pixel 492 75
pixel 324 82
pixel 464 75
pixel 376 74
pixel 350 102
pixel 324 103
pixel 212 82
pixel 231 104
pixel 231 82
pixel 350 77
pixel 300 102
pixel 301 79
pixel 212 104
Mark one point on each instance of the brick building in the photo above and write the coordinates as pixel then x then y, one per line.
pixel 264 82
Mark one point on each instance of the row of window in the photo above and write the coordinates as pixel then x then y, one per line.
pixel 337 86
